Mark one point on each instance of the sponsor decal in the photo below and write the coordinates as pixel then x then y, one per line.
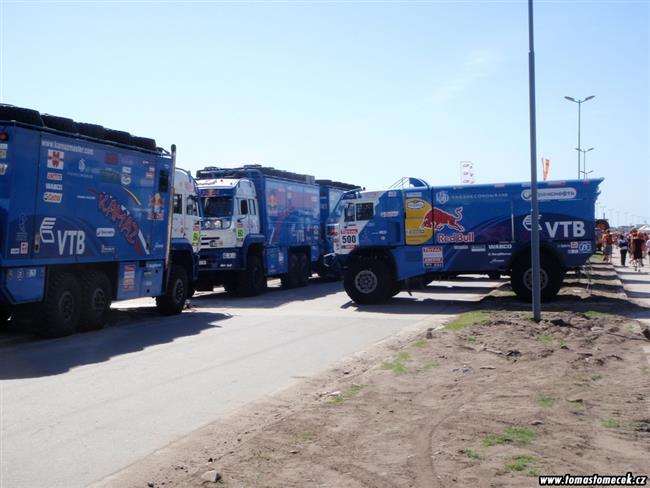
pixel 54 176
pixel 156 208
pixel 499 254
pixel 107 249
pixel 24 248
pixel 551 194
pixel 86 197
pixel 105 232
pixel 111 158
pixel 499 246
pixel 125 177
pixel 3 154
pixel 392 213
pixel 558 228
pixel 416 215
pixel 52 197
pixel 4 145
pixel 240 231
pixel 14 250
pixel 109 176
pixel 414 194
pixel 117 213
pixel 128 280
pixel 432 256
pixel 478 248
pixel 349 238
pixel 584 247
pixel 55 159
pixel 54 186
pixel 461 248
pixel 415 204
pixel 442 197
pixel 60 146
pixel 456 237
pixel 69 242
pixel 442 219
pixel 22 234
pixel 392 193
pixel 3 169
pixel 82 165
pixel 497 261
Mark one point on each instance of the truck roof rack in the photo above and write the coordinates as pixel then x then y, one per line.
pixel 210 172
pixel 51 123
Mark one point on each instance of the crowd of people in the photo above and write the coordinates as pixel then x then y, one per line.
pixel 633 244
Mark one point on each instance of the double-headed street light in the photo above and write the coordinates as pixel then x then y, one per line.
pixel 579 102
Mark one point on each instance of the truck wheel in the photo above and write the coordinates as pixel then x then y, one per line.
pixel 551 275
pixel 252 281
pixel 61 307
pixel 173 301
pixel 20 114
pixel 292 278
pixel 304 269
pixel 368 281
pixel 95 300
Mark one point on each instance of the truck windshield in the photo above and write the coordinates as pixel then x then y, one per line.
pixel 217 207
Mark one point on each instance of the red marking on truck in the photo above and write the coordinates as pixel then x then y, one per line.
pixel 119 214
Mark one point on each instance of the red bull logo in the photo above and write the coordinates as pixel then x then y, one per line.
pixel 437 220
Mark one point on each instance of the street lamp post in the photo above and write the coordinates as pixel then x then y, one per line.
pixel 579 102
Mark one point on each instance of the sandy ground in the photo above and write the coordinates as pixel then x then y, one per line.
pixel 495 403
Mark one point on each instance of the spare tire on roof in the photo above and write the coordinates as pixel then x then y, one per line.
pixel 91 130
pixel 118 136
pixel 19 114
pixel 144 143
pixel 59 123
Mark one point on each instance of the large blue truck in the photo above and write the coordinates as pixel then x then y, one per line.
pixel 261 222
pixel 84 219
pixel 390 240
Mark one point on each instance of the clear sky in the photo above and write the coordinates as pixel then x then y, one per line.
pixel 364 92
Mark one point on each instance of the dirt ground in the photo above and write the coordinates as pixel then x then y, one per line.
pixel 493 399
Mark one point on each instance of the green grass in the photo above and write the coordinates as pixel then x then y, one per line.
pixel 512 434
pixel 421 343
pixel 594 314
pixel 467 319
pixel 471 338
pixel 546 338
pixel 403 355
pixel 431 365
pixel 344 396
pixel 596 377
pixel 396 367
pixel 547 401
pixel 611 424
pixel 520 462
pixel 471 453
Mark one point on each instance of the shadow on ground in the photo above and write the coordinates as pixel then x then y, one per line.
pixel 55 356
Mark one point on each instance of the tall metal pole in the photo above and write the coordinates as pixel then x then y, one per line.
pixel 579 146
pixel 534 235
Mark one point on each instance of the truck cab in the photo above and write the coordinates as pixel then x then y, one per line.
pixel 186 224
pixel 230 212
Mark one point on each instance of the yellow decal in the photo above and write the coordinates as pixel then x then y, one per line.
pixel 418 217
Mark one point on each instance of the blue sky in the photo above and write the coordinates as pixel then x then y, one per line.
pixel 365 92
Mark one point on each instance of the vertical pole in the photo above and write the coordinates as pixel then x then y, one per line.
pixel 534 237
pixel 579 146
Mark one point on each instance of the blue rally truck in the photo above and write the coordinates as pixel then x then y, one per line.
pixel 389 240
pixel 84 219
pixel 258 222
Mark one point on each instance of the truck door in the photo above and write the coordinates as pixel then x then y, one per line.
pixel 418 218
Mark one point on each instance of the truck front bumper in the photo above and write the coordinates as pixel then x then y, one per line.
pixel 220 260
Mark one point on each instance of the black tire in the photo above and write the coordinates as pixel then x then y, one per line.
pixel 173 301
pixel 91 130
pixel 252 280
pixel 19 114
pixel 292 277
pixel 118 136
pixel 145 143
pixel 551 277
pixel 368 281
pixel 59 123
pixel 304 269
pixel 96 297
pixel 61 307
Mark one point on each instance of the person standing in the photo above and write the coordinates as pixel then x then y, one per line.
pixel 638 249
pixel 622 247
pixel 608 240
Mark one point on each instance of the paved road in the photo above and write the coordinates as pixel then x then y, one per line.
pixel 77 409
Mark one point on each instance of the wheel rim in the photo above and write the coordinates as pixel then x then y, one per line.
pixel 66 306
pixel 99 301
pixel 179 291
pixel 365 281
pixel 528 278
